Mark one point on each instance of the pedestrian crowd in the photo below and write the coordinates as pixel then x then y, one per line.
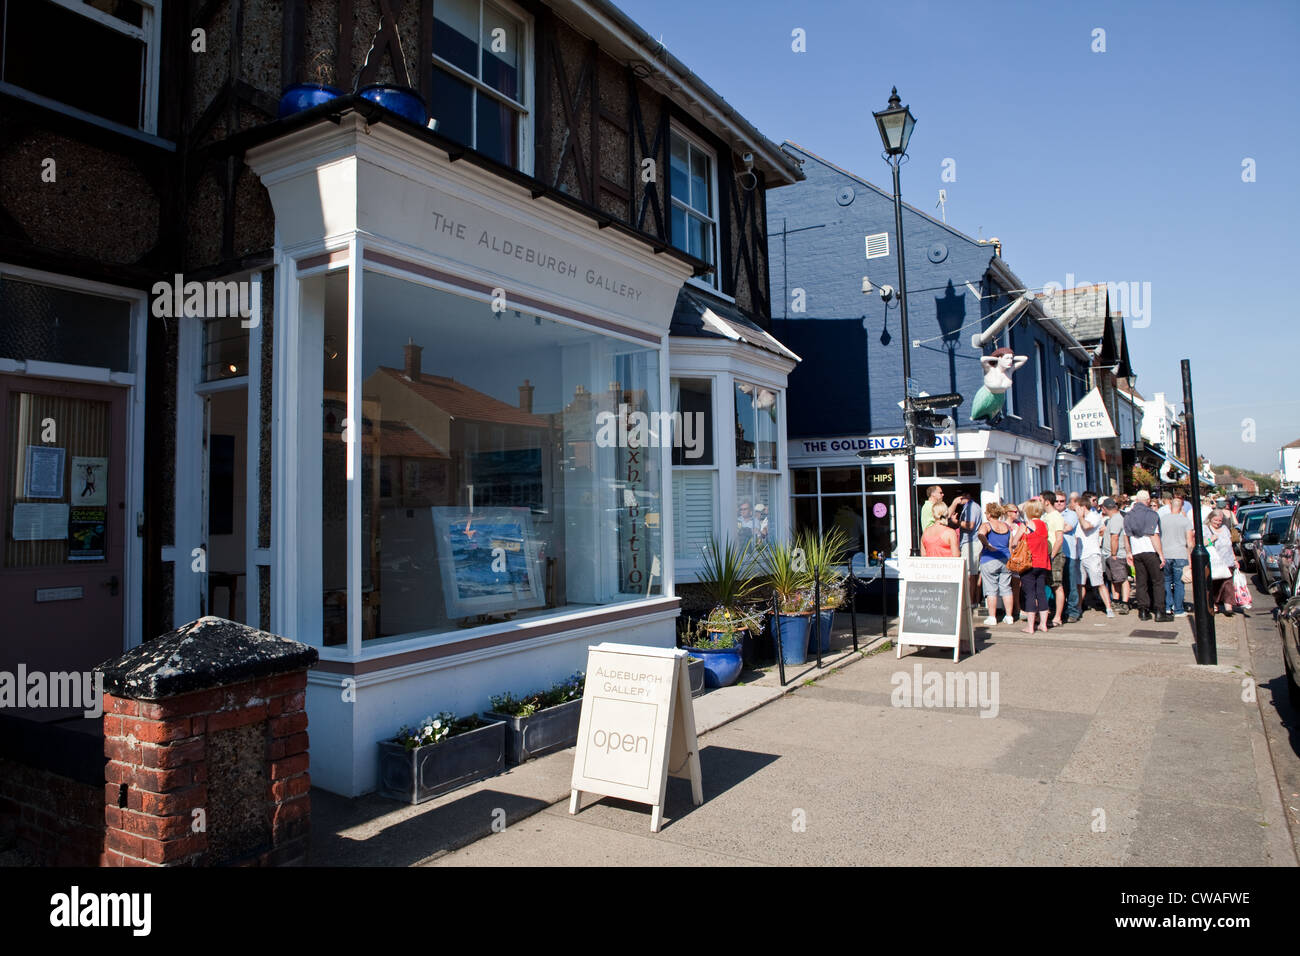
pixel 1043 560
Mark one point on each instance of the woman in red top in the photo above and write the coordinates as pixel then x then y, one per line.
pixel 1033 583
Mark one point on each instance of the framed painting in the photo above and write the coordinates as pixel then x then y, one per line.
pixel 488 560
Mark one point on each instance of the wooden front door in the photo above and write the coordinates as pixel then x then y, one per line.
pixel 63 524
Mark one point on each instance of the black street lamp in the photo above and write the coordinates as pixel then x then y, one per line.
pixel 895 125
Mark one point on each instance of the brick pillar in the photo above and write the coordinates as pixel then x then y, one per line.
pixel 206 737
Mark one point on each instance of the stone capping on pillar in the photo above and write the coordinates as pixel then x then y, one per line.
pixel 205 730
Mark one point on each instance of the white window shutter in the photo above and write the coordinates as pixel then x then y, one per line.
pixel 694 505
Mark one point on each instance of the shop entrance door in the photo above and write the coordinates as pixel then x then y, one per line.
pixel 63 523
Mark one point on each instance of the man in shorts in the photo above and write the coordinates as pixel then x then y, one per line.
pixel 1115 554
pixel 1091 531
pixel 969 518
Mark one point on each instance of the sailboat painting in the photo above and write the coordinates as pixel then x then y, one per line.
pixel 488 560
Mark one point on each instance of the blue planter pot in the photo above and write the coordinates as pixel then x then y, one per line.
pixel 397 99
pixel 722 665
pixel 794 637
pixel 303 96
pixel 821 627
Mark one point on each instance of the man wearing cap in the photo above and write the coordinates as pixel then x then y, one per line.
pixel 1142 539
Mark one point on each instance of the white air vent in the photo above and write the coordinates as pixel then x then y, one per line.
pixel 878 245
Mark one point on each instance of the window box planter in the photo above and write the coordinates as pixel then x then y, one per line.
pixel 546 731
pixel 414 776
pixel 695 670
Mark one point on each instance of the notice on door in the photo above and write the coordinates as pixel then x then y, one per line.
pixel 36 521
pixel 43 477
pixel 86 534
pixel 89 481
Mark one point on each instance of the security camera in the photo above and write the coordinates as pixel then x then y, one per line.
pixel 748 160
pixel 886 292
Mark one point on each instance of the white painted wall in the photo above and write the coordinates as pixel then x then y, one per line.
pixel 462 684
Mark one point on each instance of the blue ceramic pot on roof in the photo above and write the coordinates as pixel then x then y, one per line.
pixel 402 100
pixel 303 96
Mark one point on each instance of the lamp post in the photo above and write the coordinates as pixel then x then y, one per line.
pixel 1207 651
pixel 895 124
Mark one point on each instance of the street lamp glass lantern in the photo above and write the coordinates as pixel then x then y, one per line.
pixel 895 124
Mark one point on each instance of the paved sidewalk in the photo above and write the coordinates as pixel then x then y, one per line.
pixel 1110 746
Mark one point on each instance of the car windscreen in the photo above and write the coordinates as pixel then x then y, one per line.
pixel 1253 521
pixel 1278 523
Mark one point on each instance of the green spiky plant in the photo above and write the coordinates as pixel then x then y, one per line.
pixel 825 553
pixel 729 575
pixel 785 567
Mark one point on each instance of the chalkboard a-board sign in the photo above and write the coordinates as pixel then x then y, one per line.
pixel 934 609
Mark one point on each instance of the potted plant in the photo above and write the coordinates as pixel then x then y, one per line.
pixel 303 96
pixel 438 755
pixel 728 576
pixel 695 671
pixel 541 722
pixel 785 567
pixel 718 638
pixel 825 554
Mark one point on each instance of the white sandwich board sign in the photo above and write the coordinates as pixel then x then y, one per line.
pixel 933 606
pixel 637 727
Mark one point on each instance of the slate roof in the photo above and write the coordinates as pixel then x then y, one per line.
pixel 1082 311
pixel 698 315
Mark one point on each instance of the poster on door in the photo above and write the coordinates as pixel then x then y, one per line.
pixel 43 477
pixel 86 528
pixel 89 481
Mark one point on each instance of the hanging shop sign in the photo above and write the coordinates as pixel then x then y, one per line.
pixel 1089 419
pixel 637 728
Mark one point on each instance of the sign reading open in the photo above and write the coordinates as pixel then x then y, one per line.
pixel 637 727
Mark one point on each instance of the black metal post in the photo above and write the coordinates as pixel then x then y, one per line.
pixel 776 633
pixel 913 509
pixel 817 612
pixel 1207 650
pixel 853 606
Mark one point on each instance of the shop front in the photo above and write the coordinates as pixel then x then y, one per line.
pixel 469 478
pixel 867 497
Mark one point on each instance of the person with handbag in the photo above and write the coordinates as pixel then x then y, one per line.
pixel 1222 563
pixel 997 538
pixel 1011 515
pixel 1034 578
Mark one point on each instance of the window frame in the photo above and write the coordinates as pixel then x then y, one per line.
pixel 149 33
pixel 1040 364
pixel 676 130
pixel 525 106
pixel 692 562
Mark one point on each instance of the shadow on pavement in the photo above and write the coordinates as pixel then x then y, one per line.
pixel 440 829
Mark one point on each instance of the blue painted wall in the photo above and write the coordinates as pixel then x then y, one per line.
pixel 822 253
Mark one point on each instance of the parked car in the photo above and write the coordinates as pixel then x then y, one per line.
pixel 1288 561
pixel 1265 549
pixel 1252 529
pixel 1243 519
pixel 1288 628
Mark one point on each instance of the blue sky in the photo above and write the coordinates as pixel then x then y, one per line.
pixel 1116 166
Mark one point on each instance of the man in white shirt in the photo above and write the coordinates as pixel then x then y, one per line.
pixel 1145 556
pixel 1090 532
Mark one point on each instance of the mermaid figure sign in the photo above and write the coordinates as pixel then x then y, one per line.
pixel 998 369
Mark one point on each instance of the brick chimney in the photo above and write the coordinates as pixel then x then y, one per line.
pixel 411 354
pixel 526 396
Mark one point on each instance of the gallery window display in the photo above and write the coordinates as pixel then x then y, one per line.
pixel 505 465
